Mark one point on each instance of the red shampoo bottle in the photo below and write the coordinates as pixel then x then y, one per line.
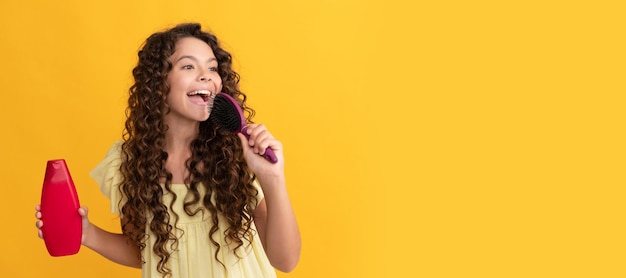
pixel 62 225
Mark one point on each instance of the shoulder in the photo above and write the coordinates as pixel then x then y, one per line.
pixel 107 172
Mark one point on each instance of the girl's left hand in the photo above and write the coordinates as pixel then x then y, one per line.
pixel 254 148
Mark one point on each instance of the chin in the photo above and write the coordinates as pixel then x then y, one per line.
pixel 204 118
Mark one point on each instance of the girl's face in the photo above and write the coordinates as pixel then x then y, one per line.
pixel 193 80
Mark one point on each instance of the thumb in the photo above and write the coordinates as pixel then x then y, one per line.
pixel 83 211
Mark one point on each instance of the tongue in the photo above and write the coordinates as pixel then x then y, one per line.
pixel 197 99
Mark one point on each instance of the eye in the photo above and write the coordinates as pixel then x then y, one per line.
pixel 187 67
pixel 213 68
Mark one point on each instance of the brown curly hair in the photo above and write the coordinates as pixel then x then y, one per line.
pixel 216 163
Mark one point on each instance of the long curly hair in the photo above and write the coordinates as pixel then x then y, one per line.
pixel 216 162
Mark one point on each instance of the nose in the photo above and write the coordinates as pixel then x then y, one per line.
pixel 205 76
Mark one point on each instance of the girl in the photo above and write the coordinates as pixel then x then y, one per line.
pixel 194 200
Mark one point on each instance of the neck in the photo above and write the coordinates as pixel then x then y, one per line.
pixel 179 136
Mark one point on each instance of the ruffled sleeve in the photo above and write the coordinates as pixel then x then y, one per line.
pixel 107 175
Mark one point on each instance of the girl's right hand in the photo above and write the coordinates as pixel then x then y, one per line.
pixel 82 211
pixel 39 223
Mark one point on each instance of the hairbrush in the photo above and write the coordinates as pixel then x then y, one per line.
pixel 62 225
pixel 227 114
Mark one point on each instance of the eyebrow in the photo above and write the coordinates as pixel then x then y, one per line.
pixel 195 59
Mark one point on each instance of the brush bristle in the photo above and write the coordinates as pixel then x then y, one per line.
pixel 224 114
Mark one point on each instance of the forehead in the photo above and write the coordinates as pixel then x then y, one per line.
pixel 191 46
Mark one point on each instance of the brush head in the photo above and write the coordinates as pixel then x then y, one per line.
pixel 227 114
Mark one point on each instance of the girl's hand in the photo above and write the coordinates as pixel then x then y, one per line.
pixel 82 211
pixel 39 223
pixel 254 148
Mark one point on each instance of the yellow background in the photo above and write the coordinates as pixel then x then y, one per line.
pixel 423 138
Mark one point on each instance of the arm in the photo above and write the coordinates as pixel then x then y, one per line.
pixel 277 227
pixel 274 217
pixel 115 247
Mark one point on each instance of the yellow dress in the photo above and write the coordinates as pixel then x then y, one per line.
pixel 195 254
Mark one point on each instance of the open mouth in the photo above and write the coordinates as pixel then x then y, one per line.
pixel 200 96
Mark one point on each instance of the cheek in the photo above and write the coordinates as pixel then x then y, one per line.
pixel 171 81
pixel 219 83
